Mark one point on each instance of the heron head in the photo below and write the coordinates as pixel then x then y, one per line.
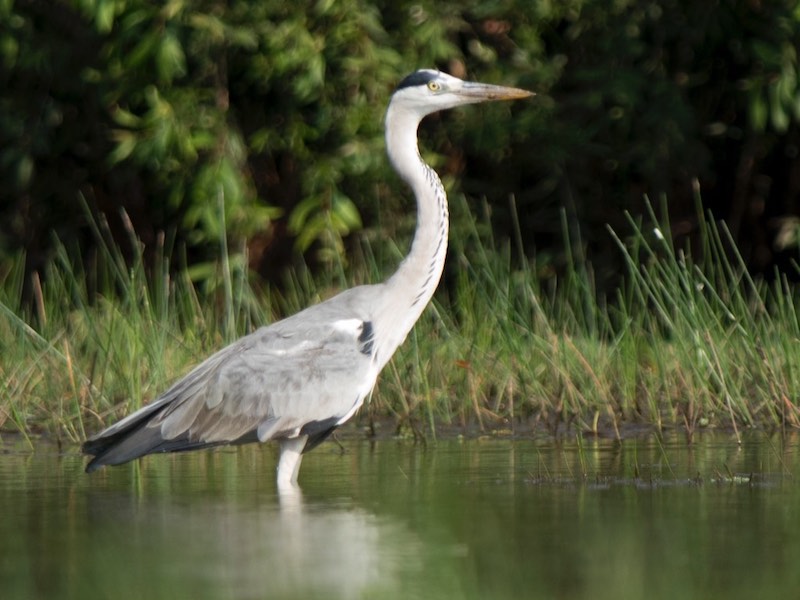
pixel 427 91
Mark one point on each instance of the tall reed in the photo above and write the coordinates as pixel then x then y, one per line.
pixel 688 339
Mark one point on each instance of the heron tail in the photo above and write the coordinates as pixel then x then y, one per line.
pixel 138 435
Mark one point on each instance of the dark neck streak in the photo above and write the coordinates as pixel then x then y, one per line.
pixel 410 289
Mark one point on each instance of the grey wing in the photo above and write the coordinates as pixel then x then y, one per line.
pixel 275 384
pixel 285 380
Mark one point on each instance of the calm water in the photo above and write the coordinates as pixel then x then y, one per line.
pixel 472 519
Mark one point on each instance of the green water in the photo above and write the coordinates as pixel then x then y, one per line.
pixel 456 519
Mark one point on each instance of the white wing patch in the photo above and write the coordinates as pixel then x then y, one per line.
pixel 352 327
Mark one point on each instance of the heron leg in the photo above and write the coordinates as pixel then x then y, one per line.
pixel 291 450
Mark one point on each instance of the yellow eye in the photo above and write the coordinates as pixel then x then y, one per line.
pixel 434 86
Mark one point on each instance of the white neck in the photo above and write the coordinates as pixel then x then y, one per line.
pixel 410 289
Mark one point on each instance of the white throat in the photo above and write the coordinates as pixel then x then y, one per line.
pixel 414 282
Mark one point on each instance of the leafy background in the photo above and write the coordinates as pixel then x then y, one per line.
pixel 255 128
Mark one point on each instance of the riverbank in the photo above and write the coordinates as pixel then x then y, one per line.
pixel 687 340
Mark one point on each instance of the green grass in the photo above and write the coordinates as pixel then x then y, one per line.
pixel 689 341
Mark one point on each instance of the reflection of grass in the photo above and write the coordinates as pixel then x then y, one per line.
pixel 689 339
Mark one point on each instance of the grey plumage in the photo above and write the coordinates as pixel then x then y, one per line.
pixel 298 379
pixel 252 389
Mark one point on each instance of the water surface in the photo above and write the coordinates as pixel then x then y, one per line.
pixel 486 518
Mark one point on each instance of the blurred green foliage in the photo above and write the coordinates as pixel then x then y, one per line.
pixel 262 120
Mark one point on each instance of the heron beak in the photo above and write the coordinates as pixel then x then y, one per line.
pixel 484 92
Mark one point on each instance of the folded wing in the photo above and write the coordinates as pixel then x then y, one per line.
pixel 280 381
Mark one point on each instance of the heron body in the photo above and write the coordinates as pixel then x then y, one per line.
pixel 298 379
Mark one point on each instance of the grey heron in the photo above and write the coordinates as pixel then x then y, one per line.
pixel 298 379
